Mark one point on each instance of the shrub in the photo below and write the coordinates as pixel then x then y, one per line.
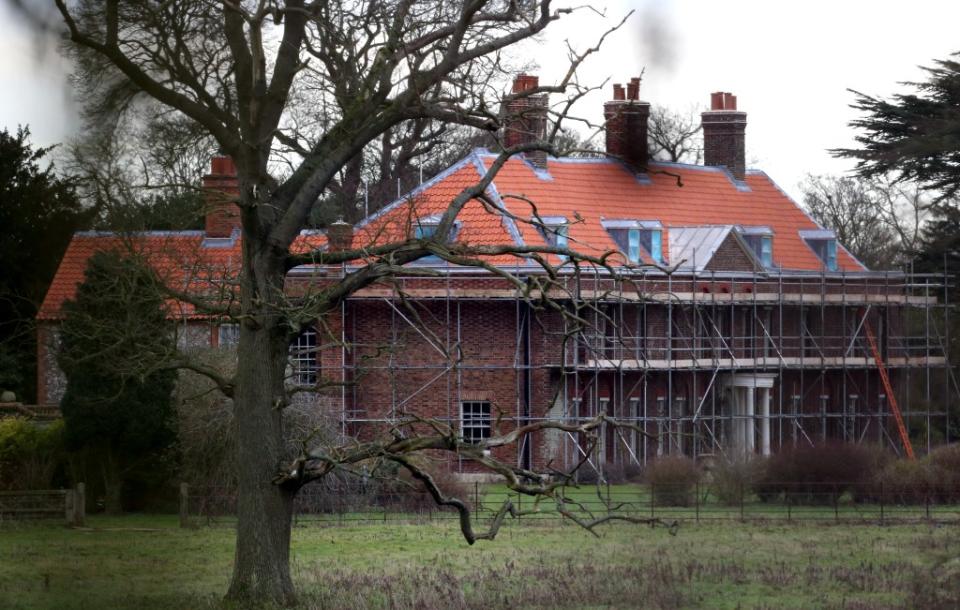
pixel 614 474
pixel 730 477
pixel 936 478
pixel 673 480
pixel 902 482
pixel 944 466
pixel 31 454
pixel 818 474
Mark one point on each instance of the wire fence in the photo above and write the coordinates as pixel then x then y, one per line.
pixel 773 502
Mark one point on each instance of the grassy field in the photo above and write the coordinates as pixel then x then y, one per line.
pixel 146 562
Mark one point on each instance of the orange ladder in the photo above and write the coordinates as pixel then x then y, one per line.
pixel 894 407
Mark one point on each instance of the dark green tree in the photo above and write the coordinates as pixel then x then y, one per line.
pixel 914 136
pixel 116 346
pixel 39 211
pixel 940 253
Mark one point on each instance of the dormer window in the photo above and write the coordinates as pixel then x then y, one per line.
pixel 760 240
pixel 426 228
pixel 633 235
pixel 554 230
pixel 824 245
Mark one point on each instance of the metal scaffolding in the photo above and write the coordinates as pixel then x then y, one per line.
pixel 709 363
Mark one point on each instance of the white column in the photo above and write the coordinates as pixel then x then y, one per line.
pixel 765 422
pixel 736 427
pixel 748 425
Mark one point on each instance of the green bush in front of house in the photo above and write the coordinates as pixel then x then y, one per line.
pixel 32 456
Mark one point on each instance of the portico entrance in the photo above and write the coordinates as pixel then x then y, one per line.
pixel 749 397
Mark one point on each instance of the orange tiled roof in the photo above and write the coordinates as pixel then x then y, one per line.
pixel 589 191
pixel 183 259
pixel 584 191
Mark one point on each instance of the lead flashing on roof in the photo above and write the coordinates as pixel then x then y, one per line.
pixel 620 223
pixel 754 230
pixel 509 225
pixel 187 233
pixel 222 242
pixel 817 233
pixel 542 173
pixel 740 185
pixel 432 219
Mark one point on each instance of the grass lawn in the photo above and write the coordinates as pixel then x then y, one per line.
pixel 146 562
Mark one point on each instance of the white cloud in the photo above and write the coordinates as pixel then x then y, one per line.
pixel 790 65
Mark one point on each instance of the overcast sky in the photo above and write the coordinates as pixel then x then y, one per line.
pixel 790 65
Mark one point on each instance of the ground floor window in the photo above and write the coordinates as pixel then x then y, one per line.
pixel 303 358
pixel 475 420
pixel 228 335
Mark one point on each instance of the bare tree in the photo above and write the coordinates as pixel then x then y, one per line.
pixel 905 208
pixel 675 136
pixel 237 72
pixel 878 220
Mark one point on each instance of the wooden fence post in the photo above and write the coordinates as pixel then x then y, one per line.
pixel 70 506
pixel 741 501
pixel 80 505
pixel 696 499
pixel 184 505
pixel 881 502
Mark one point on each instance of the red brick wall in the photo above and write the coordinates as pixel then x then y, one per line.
pixel 731 257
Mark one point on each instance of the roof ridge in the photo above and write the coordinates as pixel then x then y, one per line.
pixel 145 233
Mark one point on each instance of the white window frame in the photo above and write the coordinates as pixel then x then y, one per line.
pixel 476 420
pixel 636 235
pixel 304 360
pixel 825 240
pixel 426 228
pixel 555 231
pixel 760 240
pixel 228 335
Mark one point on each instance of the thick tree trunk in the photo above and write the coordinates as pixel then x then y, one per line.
pixel 264 510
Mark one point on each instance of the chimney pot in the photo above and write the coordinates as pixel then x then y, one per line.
pixel 618 92
pixel 716 101
pixel 724 134
pixel 524 82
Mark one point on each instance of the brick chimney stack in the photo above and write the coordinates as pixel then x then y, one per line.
pixel 626 124
pixel 339 236
pixel 525 118
pixel 220 187
pixel 724 140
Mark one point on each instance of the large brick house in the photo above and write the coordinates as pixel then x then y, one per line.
pixel 735 323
